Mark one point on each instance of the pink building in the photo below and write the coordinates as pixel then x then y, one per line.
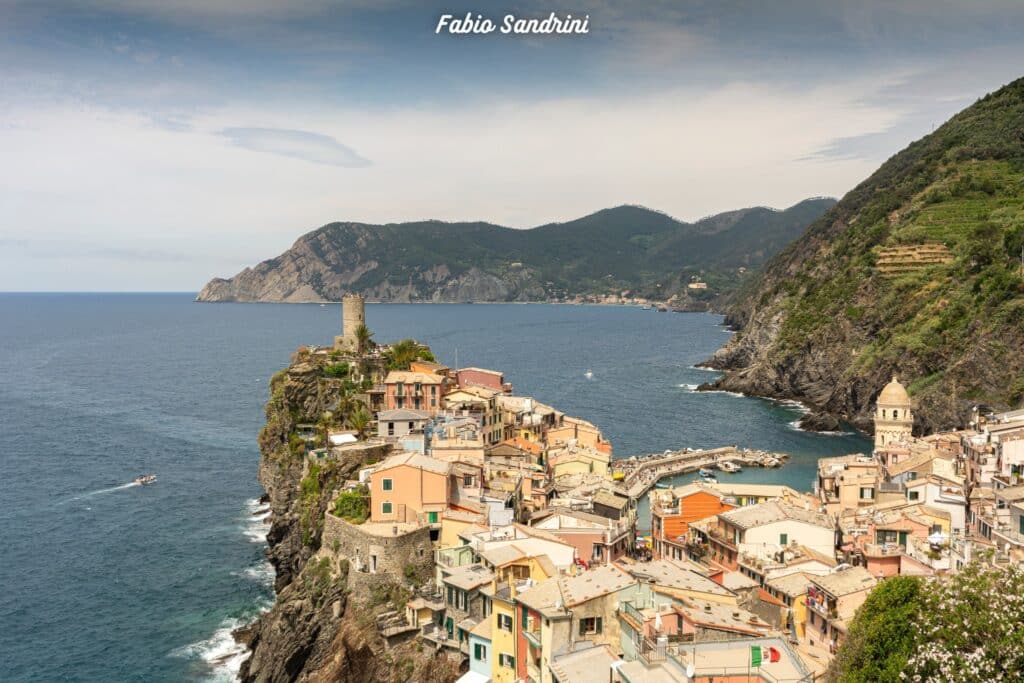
pixel 404 390
pixel 492 379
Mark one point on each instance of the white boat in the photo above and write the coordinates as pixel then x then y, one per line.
pixel 705 473
pixel 588 374
pixel 144 479
pixel 729 466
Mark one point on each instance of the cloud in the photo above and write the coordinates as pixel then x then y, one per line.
pixel 298 144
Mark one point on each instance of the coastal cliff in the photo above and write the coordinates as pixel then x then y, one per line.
pixel 319 629
pixel 627 248
pixel 916 272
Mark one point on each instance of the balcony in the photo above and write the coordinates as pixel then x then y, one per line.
pixel 632 612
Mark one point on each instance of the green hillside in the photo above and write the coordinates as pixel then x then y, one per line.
pixel 824 323
pixel 623 248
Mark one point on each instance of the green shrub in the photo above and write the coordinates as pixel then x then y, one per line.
pixel 353 506
pixel 338 370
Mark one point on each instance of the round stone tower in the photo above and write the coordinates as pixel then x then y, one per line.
pixel 894 420
pixel 353 314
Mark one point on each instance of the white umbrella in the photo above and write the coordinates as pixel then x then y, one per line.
pixel 938 538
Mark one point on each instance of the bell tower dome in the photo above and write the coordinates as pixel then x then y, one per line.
pixel 894 418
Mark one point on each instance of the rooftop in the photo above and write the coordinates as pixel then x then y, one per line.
pixel 792 585
pixel 422 462
pixel 753 516
pixel 852 580
pixel 669 574
pixel 592 584
pixel 584 666
pixel 407 377
pixel 468 577
pixel 402 414
pixel 609 499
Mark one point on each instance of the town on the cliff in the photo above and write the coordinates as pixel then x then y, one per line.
pixel 516 531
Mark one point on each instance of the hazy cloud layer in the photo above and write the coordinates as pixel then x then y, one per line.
pixel 151 145
pixel 298 144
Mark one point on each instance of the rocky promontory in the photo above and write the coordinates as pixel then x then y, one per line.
pixel 318 628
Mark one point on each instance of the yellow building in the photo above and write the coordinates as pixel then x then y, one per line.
pixel 791 590
pixel 503 632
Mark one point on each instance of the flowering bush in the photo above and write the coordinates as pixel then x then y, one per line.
pixel 970 627
pixel 966 627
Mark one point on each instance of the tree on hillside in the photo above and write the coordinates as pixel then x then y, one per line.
pixel 881 637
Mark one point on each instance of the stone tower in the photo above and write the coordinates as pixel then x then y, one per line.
pixel 894 420
pixel 353 314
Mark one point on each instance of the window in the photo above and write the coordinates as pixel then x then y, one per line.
pixel 391 428
pixel 913 495
pixel 432 517
pixel 507 661
pixel 505 622
pixel 590 626
pixel 467 480
pixel 479 652
pixel 386 484
pixel 867 493
pixel 385 508
pixel 412 426
pixel 597 553
pixel 525 618
pixel 783 539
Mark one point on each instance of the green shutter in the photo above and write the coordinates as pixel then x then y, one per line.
pixel 432 517
pixel 755 655
pixel 783 539
pixel 583 628
pixel 598 625
pixel 524 618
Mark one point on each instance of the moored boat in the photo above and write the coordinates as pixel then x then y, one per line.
pixel 729 466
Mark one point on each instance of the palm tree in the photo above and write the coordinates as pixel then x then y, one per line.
pixel 364 339
pixel 359 419
pixel 402 353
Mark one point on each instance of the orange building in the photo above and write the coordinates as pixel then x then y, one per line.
pixel 409 487
pixel 673 510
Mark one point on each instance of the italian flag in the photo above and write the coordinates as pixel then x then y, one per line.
pixel 759 654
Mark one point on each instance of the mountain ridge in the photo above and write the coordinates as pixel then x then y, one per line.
pixel 626 247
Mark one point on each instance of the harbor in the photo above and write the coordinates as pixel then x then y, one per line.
pixel 639 474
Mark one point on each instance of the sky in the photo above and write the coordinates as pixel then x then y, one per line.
pixel 152 145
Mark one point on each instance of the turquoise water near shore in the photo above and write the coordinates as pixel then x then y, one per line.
pixel 105 581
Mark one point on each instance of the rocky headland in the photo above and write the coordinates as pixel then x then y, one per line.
pixel 319 629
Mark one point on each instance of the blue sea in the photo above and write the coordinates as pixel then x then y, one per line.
pixel 107 581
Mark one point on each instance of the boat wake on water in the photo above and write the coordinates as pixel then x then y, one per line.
pixel 100 492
